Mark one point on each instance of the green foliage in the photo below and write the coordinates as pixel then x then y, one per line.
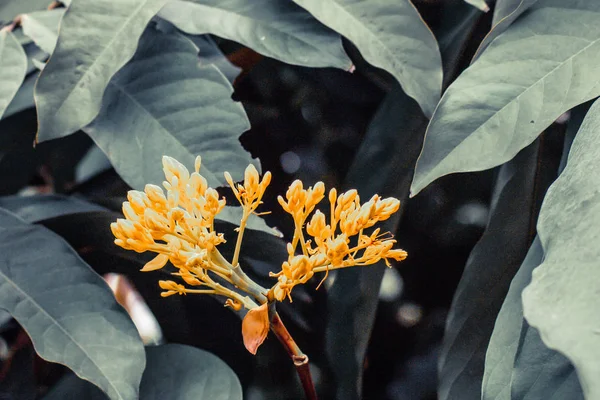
pixel 389 35
pixel 172 107
pixel 277 29
pixel 76 80
pixel 450 87
pixel 524 80
pixel 13 65
pixel 567 228
pixel 67 309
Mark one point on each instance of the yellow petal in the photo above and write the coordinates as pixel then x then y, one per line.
pixel 156 263
pixel 255 327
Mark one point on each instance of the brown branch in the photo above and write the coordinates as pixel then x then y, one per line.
pixel 298 357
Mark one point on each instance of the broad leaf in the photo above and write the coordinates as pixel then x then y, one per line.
pixel 493 262
pixel 13 66
pixel 390 35
pixel 97 38
pixel 504 342
pixel 563 299
pixel 274 28
pixel 23 98
pixel 68 310
pixel 163 103
pixel 525 80
pixel 398 124
pixel 518 365
pixel 505 13
pixel 173 371
pixel 480 4
pixel 42 27
pixel 192 374
pixel 38 208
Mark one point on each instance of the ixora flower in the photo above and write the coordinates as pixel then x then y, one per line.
pixel 179 227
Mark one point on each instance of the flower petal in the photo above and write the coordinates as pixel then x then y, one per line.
pixel 255 327
pixel 156 263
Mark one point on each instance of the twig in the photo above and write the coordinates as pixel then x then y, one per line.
pixel 298 357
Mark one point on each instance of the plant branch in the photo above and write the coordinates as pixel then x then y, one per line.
pixel 298 357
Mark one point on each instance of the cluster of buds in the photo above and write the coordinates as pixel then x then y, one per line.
pixel 179 226
pixel 339 244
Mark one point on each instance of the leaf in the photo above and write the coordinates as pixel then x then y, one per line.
pixel 182 379
pixel 480 4
pixel 42 27
pixel 390 35
pixel 97 37
pixel 398 124
pixel 274 28
pixel 40 207
pixel 163 103
pixel 524 81
pixel 23 98
pixel 68 310
pixel 233 215
pixel 518 365
pixel 505 13
pixel 211 54
pixel 489 270
pixel 504 342
pixel 562 299
pixel 13 66
pixel 173 371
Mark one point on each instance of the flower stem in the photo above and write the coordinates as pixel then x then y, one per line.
pixel 238 243
pixel 298 357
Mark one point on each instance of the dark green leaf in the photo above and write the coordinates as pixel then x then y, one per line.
pixel 191 374
pixel 274 28
pixel 233 215
pixel 562 300
pixel 13 66
pixel 38 208
pixel 529 76
pixel 42 27
pixel 518 365
pixel 97 38
pixel 490 268
pixel 24 97
pixel 173 371
pixel 504 342
pixel 68 310
pixel 163 103
pixel 390 35
pixel 398 124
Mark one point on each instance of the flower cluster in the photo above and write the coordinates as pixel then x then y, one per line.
pixel 180 228
pixel 341 243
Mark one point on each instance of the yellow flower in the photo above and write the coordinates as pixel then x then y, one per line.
pixel 333 250
pixel 251 192
pixel 171 288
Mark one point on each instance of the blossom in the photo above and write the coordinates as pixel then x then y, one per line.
pixel 338 244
